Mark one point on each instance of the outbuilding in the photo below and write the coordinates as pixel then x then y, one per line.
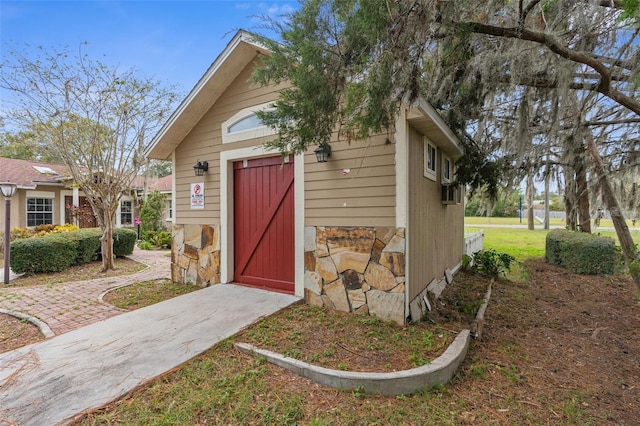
pixel 368 230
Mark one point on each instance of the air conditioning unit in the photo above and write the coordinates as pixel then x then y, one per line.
pixel 451 194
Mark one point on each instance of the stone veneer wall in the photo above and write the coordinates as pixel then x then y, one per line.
pixel 195 254
pixel 356 270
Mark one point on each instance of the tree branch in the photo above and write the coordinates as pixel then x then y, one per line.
pixel 548 41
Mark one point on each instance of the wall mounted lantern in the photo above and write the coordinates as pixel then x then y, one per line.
pixel 323 152
pixel 200 168
pixel 8 190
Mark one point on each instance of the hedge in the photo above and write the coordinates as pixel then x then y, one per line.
pixel 580 252
pixel 88 245
pixel 49 253
pixel 57 252
pixel 124 240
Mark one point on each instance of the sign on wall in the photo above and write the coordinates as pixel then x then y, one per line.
pixel 197 195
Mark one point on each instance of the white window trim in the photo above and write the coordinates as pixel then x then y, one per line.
pixel 430 173
pixel 40 194
pixel 250 133
pixel 169 207
pixel 37 197
pixel 446 164
pixel 119 212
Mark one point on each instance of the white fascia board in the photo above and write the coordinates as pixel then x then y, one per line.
pixel 240 37
pixel 433 115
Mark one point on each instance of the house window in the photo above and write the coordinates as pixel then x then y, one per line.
pixel 169 209
pixel 39 211
pixel 126 212
pixel 245 124
pixel 430 153
pixel 446 170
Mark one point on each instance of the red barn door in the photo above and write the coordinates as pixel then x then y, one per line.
pixel 264 224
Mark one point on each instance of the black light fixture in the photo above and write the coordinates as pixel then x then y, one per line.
pixel 200 168
pixel 323 152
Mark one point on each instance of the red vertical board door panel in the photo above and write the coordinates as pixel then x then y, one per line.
pixel 264 224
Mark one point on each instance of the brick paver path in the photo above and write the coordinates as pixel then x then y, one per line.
pixel 67 306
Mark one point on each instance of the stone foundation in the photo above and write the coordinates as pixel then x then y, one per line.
pixel 195 254
pixel 356 270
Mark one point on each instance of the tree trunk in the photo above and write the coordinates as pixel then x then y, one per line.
pixel 106 244
pixel 611 202
pixel 547 177
pixel 584 216
pixel 106 240
pixel 569 199
pixel 530 196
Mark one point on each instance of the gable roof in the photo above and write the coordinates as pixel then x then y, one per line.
pixel 29 174
pixel 162 184
pixel 240 51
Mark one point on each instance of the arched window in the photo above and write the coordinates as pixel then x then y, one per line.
pixel 245 124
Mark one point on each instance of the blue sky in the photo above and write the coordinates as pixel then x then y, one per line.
pixel 172 41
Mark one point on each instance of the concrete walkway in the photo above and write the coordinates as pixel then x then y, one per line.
pixel 51 381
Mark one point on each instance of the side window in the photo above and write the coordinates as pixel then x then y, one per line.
pixel 430 159
pixel 126 213
pixel 169 209
pixel 447 171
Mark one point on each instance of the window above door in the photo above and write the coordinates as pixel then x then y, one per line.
pixel 245 124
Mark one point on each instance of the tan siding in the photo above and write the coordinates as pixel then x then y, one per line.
pixel 368 189
pixel 204 143
pixel 436 230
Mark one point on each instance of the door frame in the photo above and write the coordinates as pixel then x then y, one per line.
pixel 227 158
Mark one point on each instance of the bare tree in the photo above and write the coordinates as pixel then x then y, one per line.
pixel 95 116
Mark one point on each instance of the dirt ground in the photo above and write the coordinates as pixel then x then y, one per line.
pixel 557 348
pixel 15 333
pixel 561 336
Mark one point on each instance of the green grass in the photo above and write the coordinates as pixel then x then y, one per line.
pixel 521 242
pixel 468 220
pixel 146 293
pixel 472 221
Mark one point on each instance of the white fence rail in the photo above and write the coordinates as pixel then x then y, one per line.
pixel 473 243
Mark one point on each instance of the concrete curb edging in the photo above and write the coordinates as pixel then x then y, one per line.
pixel 44 328
pixel 478 323
pixel 439 371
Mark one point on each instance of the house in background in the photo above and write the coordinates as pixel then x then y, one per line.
pixel 129 208
pixel 44 192
pixel 46 195
pixel 367 231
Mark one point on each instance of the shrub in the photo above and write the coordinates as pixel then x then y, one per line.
pixel 50 253
pixel 151 212
pixel 580 252
pixel 44 229
pixel 87 245
pixel 492 263
pixel 160 239
pixel 124 240
pixel 67 227
pixel 58 251
pixel 553 245
pixel 145 245
pixel 19 233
